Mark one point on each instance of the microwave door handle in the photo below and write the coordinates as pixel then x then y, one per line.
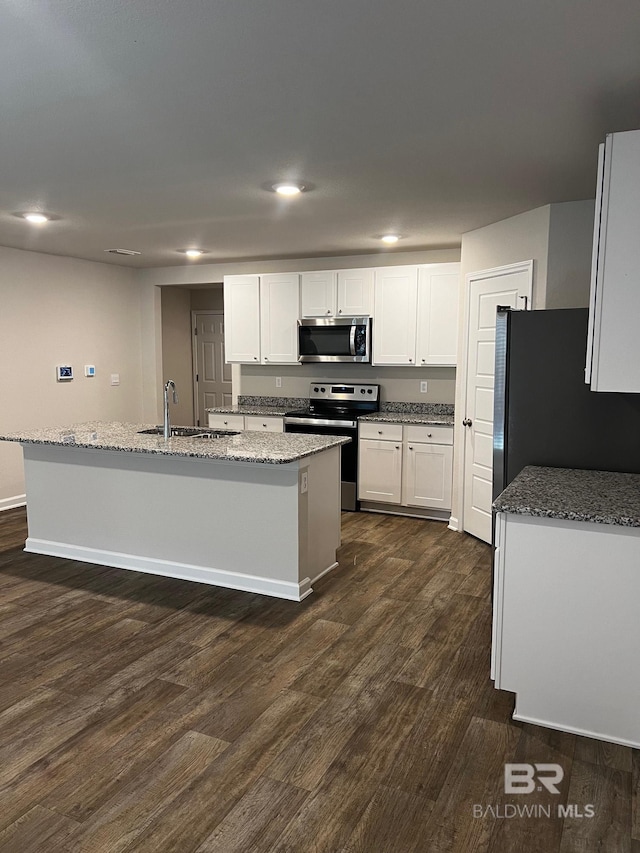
pixel 352 340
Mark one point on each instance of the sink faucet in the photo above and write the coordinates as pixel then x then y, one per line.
pixel 167 426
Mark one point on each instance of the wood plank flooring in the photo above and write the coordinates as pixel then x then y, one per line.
pixel 140 714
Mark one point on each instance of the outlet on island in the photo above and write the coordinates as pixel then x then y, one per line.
pixel 278 381
pixel 423 387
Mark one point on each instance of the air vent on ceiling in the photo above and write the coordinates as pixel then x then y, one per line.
pixel 122 252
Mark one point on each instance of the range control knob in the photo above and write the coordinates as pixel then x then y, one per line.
pixel 362 391
pixel 315 389
pixel 323 390
pixel 370 391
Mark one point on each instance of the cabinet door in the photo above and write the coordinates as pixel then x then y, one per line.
pixel 615 303
pixel 379 471
pixel 428 475
pixel 318 294
pixel 355 293
pixel 242 318
pixel 222 421
pixel 438 294
pixel 279 311
pixel 394 324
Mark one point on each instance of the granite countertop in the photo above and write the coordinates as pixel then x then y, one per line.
pixel 267 447
pixel 409 418
pixel 276 406
pixel 602 497
pixel 276 411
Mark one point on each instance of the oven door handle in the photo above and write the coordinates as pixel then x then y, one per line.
pixel 352 339
pixel 320 422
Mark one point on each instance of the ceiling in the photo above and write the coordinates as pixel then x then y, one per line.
pixel 155 125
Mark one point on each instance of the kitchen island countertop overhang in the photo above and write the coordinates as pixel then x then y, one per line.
pixel 253 511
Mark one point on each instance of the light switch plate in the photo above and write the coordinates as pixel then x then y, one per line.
pixel 115 378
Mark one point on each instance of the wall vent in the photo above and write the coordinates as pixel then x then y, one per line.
pixel 122 252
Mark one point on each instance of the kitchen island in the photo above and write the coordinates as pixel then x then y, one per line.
pixel 566 631
pixel 252 511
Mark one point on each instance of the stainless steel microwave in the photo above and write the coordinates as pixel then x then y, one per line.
pixel 344 339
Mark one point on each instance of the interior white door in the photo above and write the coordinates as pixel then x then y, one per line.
pixel 212 376
pixel 509 285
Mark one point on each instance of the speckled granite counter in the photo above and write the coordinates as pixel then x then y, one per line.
pixel 274 406
pixel 601 497
pixel 409 418
pixel 271 448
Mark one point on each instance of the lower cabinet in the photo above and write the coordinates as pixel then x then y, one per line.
pixel 257 423
pixel 406 465
pixel 380 471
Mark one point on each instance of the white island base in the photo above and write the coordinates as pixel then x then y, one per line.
pixel 243 525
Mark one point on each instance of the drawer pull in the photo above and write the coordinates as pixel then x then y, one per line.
pixel 379 432
pixel 397 447
pixel 264 425
pixel 428 435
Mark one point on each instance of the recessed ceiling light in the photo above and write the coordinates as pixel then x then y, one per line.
pixel 390 238
pixel 36 218
pixel 288 189
pixel 193 253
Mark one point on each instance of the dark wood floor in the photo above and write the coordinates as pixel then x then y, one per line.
pixel 150 715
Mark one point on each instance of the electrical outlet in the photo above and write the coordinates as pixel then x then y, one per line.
pixel 304 482
pixel 278 381
pixel 423 387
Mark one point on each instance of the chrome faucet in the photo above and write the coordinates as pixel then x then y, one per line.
pixel 167 426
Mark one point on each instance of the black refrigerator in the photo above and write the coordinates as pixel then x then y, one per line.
pixel 544 413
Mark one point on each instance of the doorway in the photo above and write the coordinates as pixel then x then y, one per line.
pixel 508 285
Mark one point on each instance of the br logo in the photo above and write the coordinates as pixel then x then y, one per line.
pixel 525 778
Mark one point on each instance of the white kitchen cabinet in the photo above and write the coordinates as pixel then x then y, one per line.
pixel 345 293
pixel 380 471
pixel 256 423
pixel 242 318
pixel 355 293
pixel 565 624
pixel 395 300
pixel 318 294
pixel 279 312
pixel 262 423
pixel 437 328
pixel 613 346
pixel 216 420
pixel 425 457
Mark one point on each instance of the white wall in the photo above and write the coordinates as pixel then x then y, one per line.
pixel 56 310
pixel 569 254
pixel 177 363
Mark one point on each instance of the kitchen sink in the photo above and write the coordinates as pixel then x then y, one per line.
pixel 190 432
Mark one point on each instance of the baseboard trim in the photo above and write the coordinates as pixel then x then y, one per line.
pixel 182 571
pixel 12 503
pixel 454 524
pixel 574 730
pixel 408 512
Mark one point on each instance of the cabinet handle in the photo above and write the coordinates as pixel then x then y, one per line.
pixel 467 422
pixel 428 435
pixel 423 360
pixel 226 422
pixel 264 425
pixel 255 358
pixel 397 447
pixel 328 310
pixel 410 448
pixel 265 358
pixel 410 360
pixel 379 432
pixel 339 310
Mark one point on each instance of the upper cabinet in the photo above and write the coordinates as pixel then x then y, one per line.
pixel 394 332
pixel 416 315
pixel 242 318
pixel 279 312
pixel 438 297
pixel 613 346
pixel 261 318
pixel 345 293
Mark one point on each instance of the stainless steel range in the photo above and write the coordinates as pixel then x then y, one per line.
pixel 334 410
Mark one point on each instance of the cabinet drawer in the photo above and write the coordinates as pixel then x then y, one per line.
pixel 429 434
pixel 381 431
pixel 218 421
pixel 259 423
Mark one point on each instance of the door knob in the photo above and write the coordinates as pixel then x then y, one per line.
pixel 467 422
